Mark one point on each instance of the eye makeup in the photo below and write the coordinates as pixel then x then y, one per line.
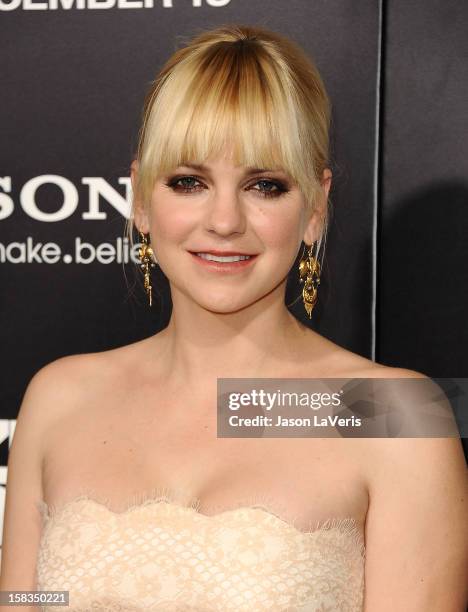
pixel 272 188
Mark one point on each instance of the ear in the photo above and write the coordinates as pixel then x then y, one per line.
pixel 139 211
pixel 316 221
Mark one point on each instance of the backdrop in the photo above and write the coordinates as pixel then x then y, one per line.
pixel 74 75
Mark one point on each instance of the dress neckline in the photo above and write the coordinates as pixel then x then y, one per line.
pixel 165 498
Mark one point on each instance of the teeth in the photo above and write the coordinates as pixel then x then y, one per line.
pixel 226 259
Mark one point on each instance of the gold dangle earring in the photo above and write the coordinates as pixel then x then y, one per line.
pixel 309 274
pixel 146 255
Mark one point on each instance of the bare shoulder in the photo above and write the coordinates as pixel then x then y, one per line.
pixel 380 452
pixel 56 386
pixel 378 370
pixel 53 386
pixel 340 362
pixel 69 382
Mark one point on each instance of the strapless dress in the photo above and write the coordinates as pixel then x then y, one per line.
pixel 163 555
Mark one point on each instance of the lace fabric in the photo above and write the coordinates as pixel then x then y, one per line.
pixel 164 555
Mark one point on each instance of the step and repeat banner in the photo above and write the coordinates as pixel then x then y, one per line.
pixel 74 74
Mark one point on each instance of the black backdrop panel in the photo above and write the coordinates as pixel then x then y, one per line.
pixel 423 272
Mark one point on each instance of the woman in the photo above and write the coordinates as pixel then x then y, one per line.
pixel 143 507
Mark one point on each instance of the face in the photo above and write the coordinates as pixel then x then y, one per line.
pixel 224 209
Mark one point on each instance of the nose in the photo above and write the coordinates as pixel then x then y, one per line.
pixel 225 213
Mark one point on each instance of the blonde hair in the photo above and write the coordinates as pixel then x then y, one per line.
pixel 244 85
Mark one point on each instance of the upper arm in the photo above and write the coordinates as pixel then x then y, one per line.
pixel 22 522
pixel 416 527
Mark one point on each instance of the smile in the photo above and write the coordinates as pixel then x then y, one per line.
pixel 223 263
pixel 226 258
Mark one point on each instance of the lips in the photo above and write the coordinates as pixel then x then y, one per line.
pixel 219 266
pixel 221 253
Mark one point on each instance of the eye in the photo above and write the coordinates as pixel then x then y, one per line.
pixel 269 188
pixel 274 188
pixel 186 186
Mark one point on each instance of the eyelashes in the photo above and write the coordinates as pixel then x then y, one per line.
pixel 275 188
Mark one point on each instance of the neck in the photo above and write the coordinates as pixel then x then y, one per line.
pixel 199 345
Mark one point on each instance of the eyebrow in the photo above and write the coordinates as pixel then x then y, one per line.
pixel 248 170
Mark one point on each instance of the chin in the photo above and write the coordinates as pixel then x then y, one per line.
pixel 221 306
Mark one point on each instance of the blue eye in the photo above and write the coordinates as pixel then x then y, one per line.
pixel 186 189
pixel 272 189
pixel 278 188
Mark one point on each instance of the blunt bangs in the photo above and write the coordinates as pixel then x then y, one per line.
pixel 230 97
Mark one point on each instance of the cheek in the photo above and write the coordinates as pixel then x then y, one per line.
pixel 280 231
pixel 170 224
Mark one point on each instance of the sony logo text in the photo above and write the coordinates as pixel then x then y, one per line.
pixel 98 190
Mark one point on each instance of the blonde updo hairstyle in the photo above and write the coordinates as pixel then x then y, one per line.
pixel 245 85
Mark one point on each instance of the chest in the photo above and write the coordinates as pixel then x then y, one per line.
pixel 124 452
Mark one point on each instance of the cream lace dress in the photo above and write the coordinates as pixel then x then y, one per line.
pixel 163 555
